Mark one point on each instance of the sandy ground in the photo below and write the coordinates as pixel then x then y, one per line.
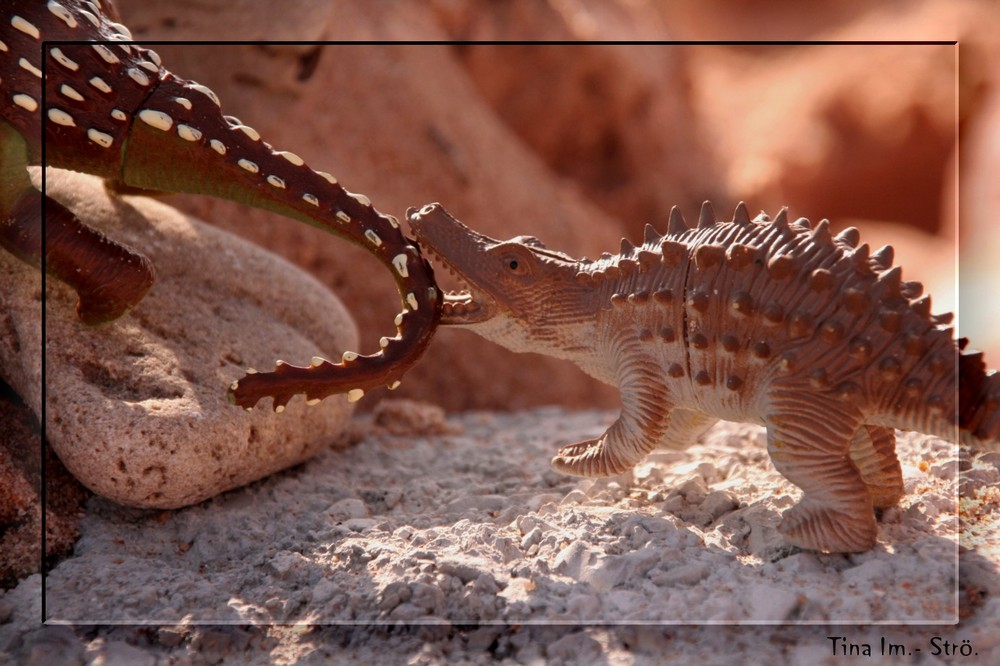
pixel 458 543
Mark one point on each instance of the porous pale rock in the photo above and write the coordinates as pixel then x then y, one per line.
pixel 137 409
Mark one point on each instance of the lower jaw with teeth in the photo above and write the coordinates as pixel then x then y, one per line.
pixel 458 304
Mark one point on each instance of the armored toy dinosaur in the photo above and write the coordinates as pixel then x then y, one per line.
pixel 109 108
pixel 773 322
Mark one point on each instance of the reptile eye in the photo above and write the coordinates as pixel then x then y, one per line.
pixel 513 263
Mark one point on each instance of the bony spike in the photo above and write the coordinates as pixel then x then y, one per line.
pixel 676 225
pixel 706 219
pixel 741 215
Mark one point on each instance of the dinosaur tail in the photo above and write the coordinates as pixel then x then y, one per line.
pixel 181 142
pixel 112 109
pixel 978 401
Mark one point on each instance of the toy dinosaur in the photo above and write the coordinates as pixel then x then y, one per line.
pixel 763 321
pixel 109 108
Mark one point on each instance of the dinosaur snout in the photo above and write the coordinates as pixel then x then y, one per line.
pixel 413 214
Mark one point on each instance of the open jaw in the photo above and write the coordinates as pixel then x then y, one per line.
pixel 465 306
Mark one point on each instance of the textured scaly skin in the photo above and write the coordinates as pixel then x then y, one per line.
pixel 762 321
pixel 112 110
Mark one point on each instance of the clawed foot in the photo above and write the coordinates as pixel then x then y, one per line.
pixel 576 450
pixel 590 458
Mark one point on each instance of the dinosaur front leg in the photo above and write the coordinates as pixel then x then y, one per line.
pixel 808 438
pixel 640 428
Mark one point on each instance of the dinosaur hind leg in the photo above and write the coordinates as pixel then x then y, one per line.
pixel 873 452
pixel 686 426
pixel 109 278
pixel 979 401
pixel 808 438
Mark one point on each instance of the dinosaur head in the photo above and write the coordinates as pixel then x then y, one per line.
pixel 516 292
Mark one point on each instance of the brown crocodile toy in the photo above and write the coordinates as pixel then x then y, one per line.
pixel 763 321
pixel 111 109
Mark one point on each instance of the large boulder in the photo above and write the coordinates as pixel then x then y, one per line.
pixel 136 409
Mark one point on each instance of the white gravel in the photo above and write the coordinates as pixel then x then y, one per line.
pixel 465 536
